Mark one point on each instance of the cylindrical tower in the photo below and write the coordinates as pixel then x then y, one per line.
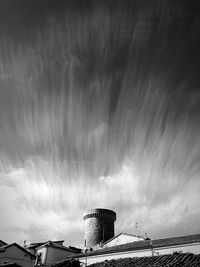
pixel 99 226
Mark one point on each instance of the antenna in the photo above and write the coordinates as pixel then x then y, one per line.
pixel 85 252
pixel 85 244
pixel 137 231
pixel 103 231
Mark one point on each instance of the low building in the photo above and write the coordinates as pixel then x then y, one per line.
pixel 145 248
pixel 15 254
pixel 33 246
pixel 122 238
pixel 51 251
pixel 176 259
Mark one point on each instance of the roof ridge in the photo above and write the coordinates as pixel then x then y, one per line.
pixel 121 233
pixel 144 244
pixel 20 247
pixel 173 259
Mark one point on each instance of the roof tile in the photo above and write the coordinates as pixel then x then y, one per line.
pixel 176 259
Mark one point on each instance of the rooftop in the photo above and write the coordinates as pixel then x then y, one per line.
pixel 59 246
pixel 3 248
pixel 130 235
pixel 176 259
pixel 146 244
pixel 37 244
pixel 2 243
pixel 173 260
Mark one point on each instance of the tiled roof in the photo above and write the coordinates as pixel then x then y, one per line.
pixel 2 243
pixel 137 245
pixel 176 240
pixel 55 245
pixel 35 245
pixel 3 248
pixel 174 260
pixel 65 263
pixel 11 264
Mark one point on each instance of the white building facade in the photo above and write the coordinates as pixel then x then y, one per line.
pixel 183 244
pixel 122 238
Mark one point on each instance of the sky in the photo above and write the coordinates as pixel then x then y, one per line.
pixel 99 108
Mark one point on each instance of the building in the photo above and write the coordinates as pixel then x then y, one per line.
pixel 176 259
pixel 99 222
pixel 2 243
pixel 51 251
pixel 99 226
pixel 172 260
pixel 15 254
pixel 33 246
pixel 144 248
pixel 120 239
pixel 100 231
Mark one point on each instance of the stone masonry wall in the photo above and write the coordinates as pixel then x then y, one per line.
pixel 99 227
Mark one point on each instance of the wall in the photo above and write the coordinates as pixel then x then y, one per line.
pixel 192 248
pixel 127 254
pixel 98 230
pixel 32 250
pixel 122 239
pixel 14 254
pixel 43 252
pixel 56 254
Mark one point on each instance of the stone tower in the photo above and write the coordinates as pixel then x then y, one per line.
pixel 99 226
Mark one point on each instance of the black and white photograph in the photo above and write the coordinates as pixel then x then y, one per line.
pixel 100 133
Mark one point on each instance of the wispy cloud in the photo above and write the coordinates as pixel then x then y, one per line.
pixel 95 111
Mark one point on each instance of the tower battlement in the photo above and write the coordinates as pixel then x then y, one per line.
pixel 100 213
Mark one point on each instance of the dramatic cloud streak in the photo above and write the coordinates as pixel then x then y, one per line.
pixel 99 107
